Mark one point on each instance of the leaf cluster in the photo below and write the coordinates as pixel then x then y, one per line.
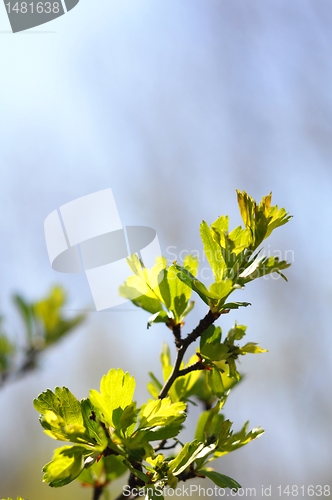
pixel 44 324
pixel 108 433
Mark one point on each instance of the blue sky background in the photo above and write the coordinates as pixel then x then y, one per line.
pixel 174 105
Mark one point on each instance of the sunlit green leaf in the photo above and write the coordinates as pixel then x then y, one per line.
pixel 189 453
pixel 236 333
pixel 67 464
pixel 215 352
pixel 236 440
pixel 190 280
pixel 61 415
pixel 95 429
pixel 216 383
pixel 129 418
pixel 252 348
pixel 212 251
pixel 116 392
pixel 162 412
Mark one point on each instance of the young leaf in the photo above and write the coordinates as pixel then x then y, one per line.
pixel 236 333
pixel 67 465
pixel 189 453
pixel 261 267
pixel 162 413
pixel 212 251
pixel 215 352
pixel 211 335
pixel 61 415
pixel 129 418
pixel 190 280
pixel 94 428
pixel 252 348
pixel 116 392
pixel 216 383
pixel 237 440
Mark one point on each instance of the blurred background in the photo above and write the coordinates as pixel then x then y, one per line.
pixel 174 105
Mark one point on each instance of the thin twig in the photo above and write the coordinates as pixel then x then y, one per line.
pixel 196 366
pixel 197 332
pixel 161 445
pixel 97 492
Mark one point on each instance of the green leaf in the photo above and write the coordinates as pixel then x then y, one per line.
pixel 160 433
pixel 61 415
pixel 165 358
pixel 220 479
pixel 236 440
pixel 234 305
pixel 106 469
pixel 62 402
pixel 67 465
pixel 261 267
pixel 48 312
pixel 212 335
pixel 155 386
pixel 236 333
pixel 180 293
pixel 148 287
pixel 216 383
pixel 260 219
pixel 189 453
pixel 116 392
pixel 252 348
pixel 221 289
pixel 196 285
pixel 129 418
pixel 158 317
pixel 201 423
pixel 211 415
pixel 162 413
pixel 95 430
pixel 212 251
pixel 215 352
pixel 219 229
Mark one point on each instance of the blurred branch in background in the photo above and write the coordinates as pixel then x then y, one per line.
pixel 44 325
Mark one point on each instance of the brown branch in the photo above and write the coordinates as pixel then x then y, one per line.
pixel 208 320
pixel 196 366
pixel 97 492
pixel 177 334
